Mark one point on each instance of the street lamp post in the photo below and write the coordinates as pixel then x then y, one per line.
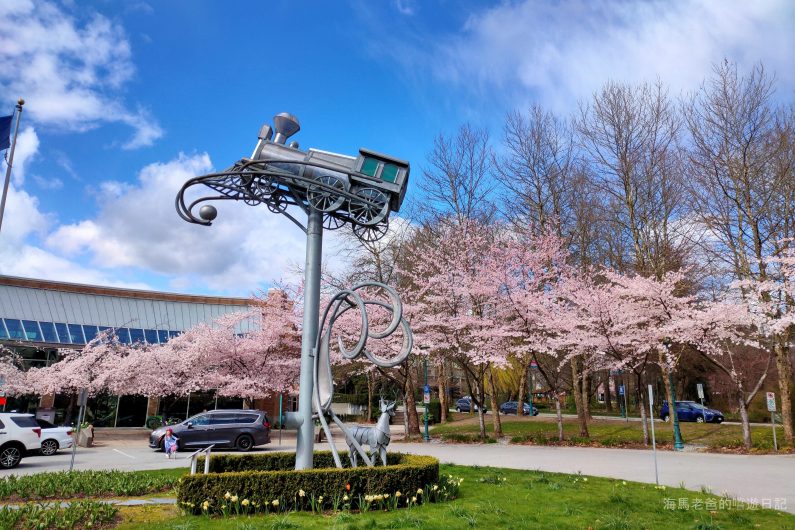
pixel 678 444
pixel 426 400
pixel 332 190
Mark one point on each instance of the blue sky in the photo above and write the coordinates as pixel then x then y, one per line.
pixel 126 100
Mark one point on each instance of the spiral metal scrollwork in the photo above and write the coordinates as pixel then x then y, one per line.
pixel 356 299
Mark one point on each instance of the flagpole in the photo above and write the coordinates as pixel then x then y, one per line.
pixel 10 162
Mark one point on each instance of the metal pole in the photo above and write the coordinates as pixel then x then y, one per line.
pixel 703 411
pixel 626 406
pixel 10 161
pixel 773 422
pixel 678 444
pixel 216 400
pixel 314 246
pixel 425 437
pixel 187 409
pixel 281 418
pixel 116 418
pixel 80 415
pixel 653 438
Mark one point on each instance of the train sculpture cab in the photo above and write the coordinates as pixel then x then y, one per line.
pixel 359 190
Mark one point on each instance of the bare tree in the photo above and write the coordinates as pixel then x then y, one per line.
pixel 458 179
pixel 743 185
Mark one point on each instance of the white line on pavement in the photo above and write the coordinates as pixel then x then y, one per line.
pixel 125 454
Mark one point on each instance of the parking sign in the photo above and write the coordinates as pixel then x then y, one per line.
pixel 700 390
pixel 771 402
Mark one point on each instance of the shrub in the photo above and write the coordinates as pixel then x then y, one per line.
pixel 434 411
pixel 264 478
pixel 82 514
pixel 63 484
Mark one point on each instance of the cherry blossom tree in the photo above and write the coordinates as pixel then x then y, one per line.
pixel 455 309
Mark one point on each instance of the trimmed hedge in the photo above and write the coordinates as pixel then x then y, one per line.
pixel 263 478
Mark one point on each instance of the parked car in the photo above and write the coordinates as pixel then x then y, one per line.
pixel 54 438
pixel 691 411
pixel 465 405
pixel 242 429
pixel 20 435
pixel 511 407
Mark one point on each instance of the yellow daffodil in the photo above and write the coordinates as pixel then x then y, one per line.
pixel 275 502
pixel 233 498
pixel 398 494
pixel 245 502
pixel 419 491
pixel 227 495
pixel 301 493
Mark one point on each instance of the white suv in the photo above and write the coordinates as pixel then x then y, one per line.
pixel 19 434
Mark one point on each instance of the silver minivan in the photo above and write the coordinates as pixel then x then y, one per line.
pixel 239 428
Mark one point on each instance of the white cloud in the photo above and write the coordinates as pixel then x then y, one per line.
pixel 559 52
pixel 137 228
pixel 68 71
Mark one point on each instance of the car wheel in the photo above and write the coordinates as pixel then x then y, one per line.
pixel 666 418
pixel 49 447
pixel 10 456
pixel 244 442
pixel 700 419
pixel 458 409
pixel 719 420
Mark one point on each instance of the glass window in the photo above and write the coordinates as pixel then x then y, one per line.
pixel 124 335
pixel 163 336
pixel 2 425
pixel 76 332
pixel 90 332
pixel 172 334
pixel 223 419
pixel 48 331
pixel 390 172
pixel 370 166
pixel 24 421
pixel 3 332
pixel 32 331
pixel 136 335
pixel 151 336
pixel 103 328
pixel 201 419
pixel 15 330
pixel 247 418
pixel 63 333
pixel 44 424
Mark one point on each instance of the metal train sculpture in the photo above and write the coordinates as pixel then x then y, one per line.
pixel 358 190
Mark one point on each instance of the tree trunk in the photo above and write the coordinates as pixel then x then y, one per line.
pixel 495 411
pixel 481 417
pixel 642 407
pixel 370 397
pixel 442 384
pixel 608 395
pixel 784 368
pixel 520 394
pixel 668 393
pixel 586 394
pixel 582 417
pixel 559 413
pixel 745 421
pixel 411 405
pixel 70 409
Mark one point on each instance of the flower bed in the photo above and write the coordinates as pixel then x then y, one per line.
pixel 268 482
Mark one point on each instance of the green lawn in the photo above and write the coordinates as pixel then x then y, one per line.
pixel 502 498
pixel 609 433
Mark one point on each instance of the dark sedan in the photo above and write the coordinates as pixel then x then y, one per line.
pixel 465 404
pixel 512 407
pixel 241 429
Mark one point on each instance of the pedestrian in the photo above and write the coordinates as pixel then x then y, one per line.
pixel 170 443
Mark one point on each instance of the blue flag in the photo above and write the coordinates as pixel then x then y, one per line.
pixel 5 131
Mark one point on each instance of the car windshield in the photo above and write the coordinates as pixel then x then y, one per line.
pixel 697 406
pixel 201 419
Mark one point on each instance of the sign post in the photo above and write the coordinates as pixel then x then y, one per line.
pixel 533 364
pixel 3 398
pixel 622 392
pixel 653 439
pixel 426 400
pixel 771 407
pixel 82 400
pixel 700 389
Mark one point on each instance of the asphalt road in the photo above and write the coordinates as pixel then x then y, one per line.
pixel 757 478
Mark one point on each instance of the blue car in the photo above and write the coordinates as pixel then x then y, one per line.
pixel 465 405
pixel 511 407
pixel 691 411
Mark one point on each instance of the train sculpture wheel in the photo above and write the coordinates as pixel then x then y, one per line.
pixel 328 196
pixel 371 234
pixel 370 211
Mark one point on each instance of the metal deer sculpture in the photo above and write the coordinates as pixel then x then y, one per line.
pixel 376 436
pixel 358 299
